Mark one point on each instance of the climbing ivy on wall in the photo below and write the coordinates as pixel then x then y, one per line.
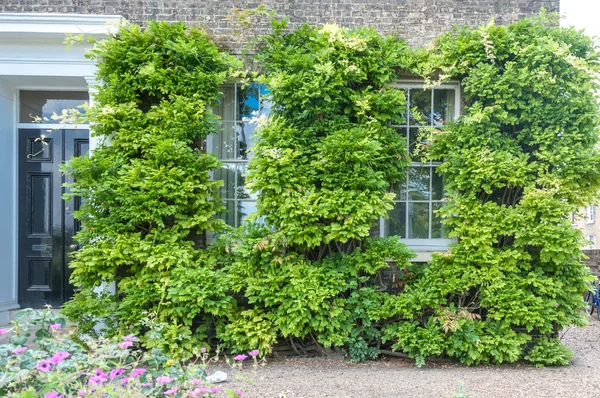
pixel 323 165
pixel 523 156
pixel 304 270
pixel 149 197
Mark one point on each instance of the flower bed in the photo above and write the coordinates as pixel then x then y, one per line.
pixel 58 364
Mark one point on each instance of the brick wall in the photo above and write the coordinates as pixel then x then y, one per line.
pixel 417 21
pixel 593 261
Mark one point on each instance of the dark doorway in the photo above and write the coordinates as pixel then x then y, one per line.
pixel 45 220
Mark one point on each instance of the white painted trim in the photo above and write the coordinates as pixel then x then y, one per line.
pixel 45 61
pixel 44 24
pixel 15 150
pixel 49 126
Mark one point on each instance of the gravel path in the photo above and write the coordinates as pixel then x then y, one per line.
pixel 307 378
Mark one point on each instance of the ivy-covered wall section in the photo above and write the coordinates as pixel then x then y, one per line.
pixel 323 165
pixel 304 271
pixel 521 158
pixel 149 196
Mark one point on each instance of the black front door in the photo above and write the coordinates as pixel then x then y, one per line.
pixel 46 224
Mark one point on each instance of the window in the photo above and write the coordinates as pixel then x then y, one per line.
pixel 43 104
pixel 591 242
pixel 236 109
pixel 414 217
pixel 590 214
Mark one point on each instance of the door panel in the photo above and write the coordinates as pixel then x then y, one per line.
pixel 46 223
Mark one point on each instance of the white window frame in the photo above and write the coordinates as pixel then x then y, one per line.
pixel 424 247
pixel 590 214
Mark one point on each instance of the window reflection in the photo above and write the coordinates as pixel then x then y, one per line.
pixel 238 107
pixel 43 104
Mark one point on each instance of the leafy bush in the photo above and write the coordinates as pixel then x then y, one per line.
pixel 59 365
pixel 523 157
pixel 148 196
pixel 323 163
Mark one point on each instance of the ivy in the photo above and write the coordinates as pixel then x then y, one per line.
pixel 149 196
pixel 521 159
pixel 305 269
pixel 323 166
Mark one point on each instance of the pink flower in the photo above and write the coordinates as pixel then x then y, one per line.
pixel 44 366
pixel 200 390
pixel 3 331
pixel 59 357
pixel 81 393
pixel 124 380
pixel 55 326
pixel 215 389
pixel 240 357
pixel 253 353
pixel 96 380
pixel 99 378
pixel 136 372
pixel 240 393
pixel 203 349
pixel 129 338
pixel 116 373
pixel 146 384
pixel 125 344
pixel 53 394
pixel 172 391
pixel 197 382
pixel 19 350
pixel 164 379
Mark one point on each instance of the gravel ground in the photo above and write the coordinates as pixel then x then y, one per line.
pixel 391 377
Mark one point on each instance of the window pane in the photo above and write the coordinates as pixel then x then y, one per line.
pixel 414 144
pixel 395 224
pixel 418 183
pixel 245 139
pixel 226 106
pixel 241 191
pixel 420 99
pixel 400 190
pixel 247 98
pixel 443 106
pixel 437 229
pixel 222 144
pixel 265 101
pixel 229 215
pixel 244 209
pixel 43 103
pixel 437 185
pixel 418 220
pixel 227 174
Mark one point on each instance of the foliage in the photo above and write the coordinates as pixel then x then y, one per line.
pixel 323 163
pixel 523 156
pixel 461 392
pixel 304 269
pixel 59 365
pixel 148 197
pixel 549 352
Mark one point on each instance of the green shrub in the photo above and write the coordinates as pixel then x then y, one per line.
pixel 523 157
pixel 323 163
pixel 148 194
